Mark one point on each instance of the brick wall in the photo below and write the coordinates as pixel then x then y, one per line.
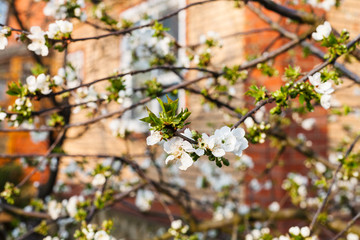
pixel 346 17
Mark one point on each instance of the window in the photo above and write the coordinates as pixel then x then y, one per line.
pixel 155 9
pixel 4 79
pixel 4 8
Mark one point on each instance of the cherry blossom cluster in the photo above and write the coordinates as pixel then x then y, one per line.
pixel 352 236
pixel 224 140
pixel 257 234
pixel 62 9
pixel 322 31
pixel 69 75
pixel 41 83
pixel 119 127
pixel 295 233
pixel 296 185
pixel 57 30
pixel 178 229
pixel 86 95
pixel 145 48
pixel 4 33
pixel 203 55
pixel 214 177
pixel 38 41
pixel 144 199
pixel 224 211
pixel 67 207
pixel 324 4
pixel 323 88
pixel 91 232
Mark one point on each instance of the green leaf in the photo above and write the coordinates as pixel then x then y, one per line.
pixel 301 99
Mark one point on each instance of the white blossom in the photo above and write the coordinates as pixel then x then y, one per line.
pixel 72 79
pixel 59 78
pixel 298 179
pixel 352 236
pixel 178 149
pixel 325 4
pixel 305 231
pixel 323 88
pixel 249 122
pixel 315 79
pixel 144 47
pixel 224 212
pixel 210 143
pixel 223 180
pixel 38 83
pixel 144 199
pixel 54 209
pixel 320 167
pixel 241 141
pixel 325 101
pixel 99 180
pixel 225 139
pixel 38 41
pixel 232 91
pixel 294 231
pixel 274 207
pixel 3 38
pixel 322 31
pixel 255 185
pixel 246 161
pixel 59 28
pixel 302 191
pixel 102 235
pixel 243 209
pixel 71 205
pixel 2 116
pixel 284 237
pixel 267 185
pixel 308 124
pixel 176 224
pixel 154 138
pixel 55 9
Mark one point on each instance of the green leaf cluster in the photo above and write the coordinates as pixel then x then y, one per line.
pixel 337 46
pixel 204 59
pixel 101 200
pixel 168 121
pixel 168 59
pixel 257 133
pixel 159 30
pixel 116 85
pixel 16 89
pixel 153 88
pixel 10 192
pixel 233 74
pixel 56 120
pixel 267 70
pixel 257 93
pixel 327 74
pixel 292 73
pixel 304 91
pixel 125 23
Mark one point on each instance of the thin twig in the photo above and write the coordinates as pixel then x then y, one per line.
pixel 333 181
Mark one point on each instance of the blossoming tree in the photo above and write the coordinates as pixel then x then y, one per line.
pixel 322 203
